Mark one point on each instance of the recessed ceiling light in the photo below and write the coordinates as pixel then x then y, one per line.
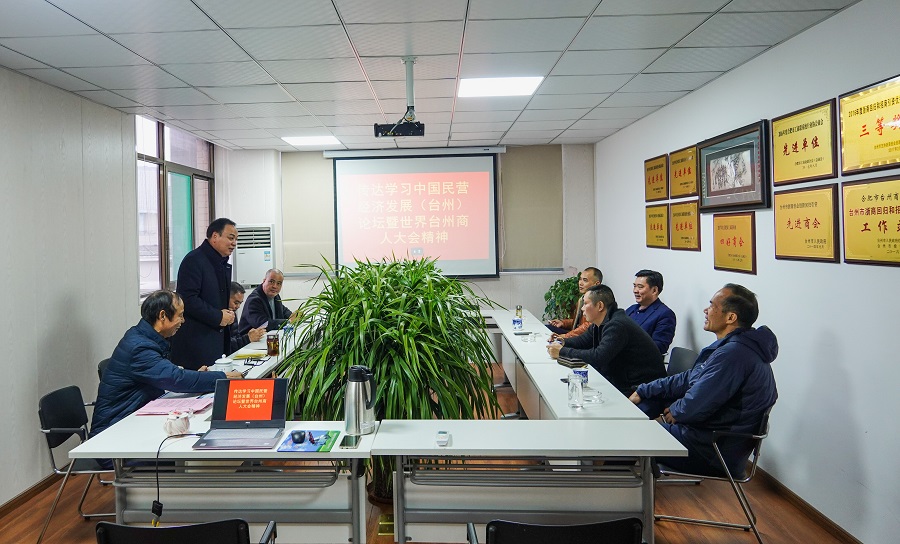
pixel 301 141
pixel 498 86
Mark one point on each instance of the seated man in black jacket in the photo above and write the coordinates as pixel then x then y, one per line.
pixel 263 307
pixel 614 344
pixel 239 340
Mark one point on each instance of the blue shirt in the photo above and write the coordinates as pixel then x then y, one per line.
pixel 658 320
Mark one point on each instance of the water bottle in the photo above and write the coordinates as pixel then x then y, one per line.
pixel 519 311
pixel 576 390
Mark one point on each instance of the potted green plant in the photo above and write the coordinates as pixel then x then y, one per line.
pixel 420 333
pixel 562 298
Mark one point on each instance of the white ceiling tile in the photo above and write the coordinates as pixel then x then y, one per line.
pixel 595 124
pixel 29 18
pixel 583 84
pixel 381 143
pixel 642 99
pixel 481 127
pixel 60 79
pixel 633 112
pixel 505 9
pixel 127 77
pixel 212 111
pixel 108 98
pixel 280 125
pixel 575 140
pixel 511 36
pixel 478 136
pixel 269 109
pixel 549 134
pixel 233 135
pixel 786 5
pixel 492 103
pixel 625 61
pixel 432 106
pixel 184 96
pixel 213 125
pixel 17 61
pixel 113 16
pixel 360 130
pixel 310 131
pixel 72 51
pixel 522 141
pixel 183 47
pixel 304 42
pixel 507 64
pixel 398 40
pixel 684 81
pixel 553 101
pixel 343 90
pixel 703 59
pixel 343 107
pixel 247 94
pixel 731 29
pixel 269 13
pixel 650 7
pixel 350 120
pixel 219 74
pixel 360 139
pixel 636 31
pixel 432 88
pixel 484 116
pixel 426 67
pixel 548 124
pixel 593 133
pixel 314 70
pixel 401 11
pixel 558 114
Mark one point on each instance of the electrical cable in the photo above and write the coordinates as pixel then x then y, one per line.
pixel 157 507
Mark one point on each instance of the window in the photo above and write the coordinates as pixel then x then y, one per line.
pixel 175 199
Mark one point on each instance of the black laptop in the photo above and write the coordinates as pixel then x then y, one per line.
pixel 246 415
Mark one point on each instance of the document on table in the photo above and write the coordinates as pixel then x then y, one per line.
pixel 163 406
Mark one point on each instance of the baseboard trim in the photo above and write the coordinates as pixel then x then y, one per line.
pixel 30 493
pixel 821 519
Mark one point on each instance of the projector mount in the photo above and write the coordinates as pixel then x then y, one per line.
pixel 407 125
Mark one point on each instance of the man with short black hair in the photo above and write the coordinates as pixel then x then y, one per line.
pixel 613 344
pixel 139 370
pixel 204 283
pixel 239 340
pixel 650 313
pixel 570 328
pixel 729 388
pixel 264 307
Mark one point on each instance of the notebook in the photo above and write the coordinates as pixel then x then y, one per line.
pixel 247 415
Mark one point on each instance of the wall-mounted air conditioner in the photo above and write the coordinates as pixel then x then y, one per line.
pixel 254 255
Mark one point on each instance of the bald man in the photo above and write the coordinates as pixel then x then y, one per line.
pixel 263 308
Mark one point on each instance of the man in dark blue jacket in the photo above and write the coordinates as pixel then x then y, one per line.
pixel 139 370
pixel 204 284
pixel 729 388
pixel 650 313
pixel 264 307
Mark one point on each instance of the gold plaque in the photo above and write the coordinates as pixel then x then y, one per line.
pixel 656 178
pixel 657 218
pixel 734 239
pixel 871 211
pixel 684 225
pixel 803 145
pixel 806 224
pixel 683 173
pixel 870 127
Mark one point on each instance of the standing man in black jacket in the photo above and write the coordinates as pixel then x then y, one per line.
pixel 204 283
pixel 614 345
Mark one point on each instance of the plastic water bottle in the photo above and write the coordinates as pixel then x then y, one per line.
pixel 576 391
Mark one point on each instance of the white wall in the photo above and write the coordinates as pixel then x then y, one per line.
pixel 834 432
pixel 68 236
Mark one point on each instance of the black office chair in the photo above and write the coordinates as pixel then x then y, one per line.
pixel 736 480
pixel 227 531
pixel 681 359
pixel 620 531
pixel 62 415
pixel 101 368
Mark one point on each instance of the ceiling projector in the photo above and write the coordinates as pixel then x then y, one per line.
pixel 396 130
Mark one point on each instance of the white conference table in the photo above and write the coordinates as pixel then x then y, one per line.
pixel 312 502
pixel 512 470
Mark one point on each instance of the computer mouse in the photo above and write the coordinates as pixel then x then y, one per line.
pixel 298 436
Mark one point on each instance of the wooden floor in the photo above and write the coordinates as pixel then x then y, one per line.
pixel 780 522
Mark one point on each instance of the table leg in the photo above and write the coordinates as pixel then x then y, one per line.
pixel 647 498
pixel 355 514
pixel 399 502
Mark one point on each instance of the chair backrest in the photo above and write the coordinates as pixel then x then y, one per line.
pixel 101 368
pixel 681 359
pixel 621 531
pixel 229 531
pixel 63 409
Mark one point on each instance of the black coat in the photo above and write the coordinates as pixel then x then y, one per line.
pixel 204 281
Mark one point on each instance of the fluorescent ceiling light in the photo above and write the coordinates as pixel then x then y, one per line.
pixel 498 86
pixel 301 141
